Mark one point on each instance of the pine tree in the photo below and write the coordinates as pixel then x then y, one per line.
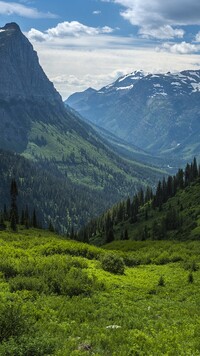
pixel 26 218
pixel 125 234
pixel 109 232
pixel 13 210
pixel 128 207
pixel 2 223
pixel 5 213
pixel 194 169
pixel 51 228
pixel 72 233
pixel 34 220
pixel 22 220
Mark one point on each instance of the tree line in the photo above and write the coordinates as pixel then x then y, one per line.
pixel 131 210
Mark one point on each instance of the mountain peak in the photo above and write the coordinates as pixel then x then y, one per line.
pixel 11 26
pixel 20 72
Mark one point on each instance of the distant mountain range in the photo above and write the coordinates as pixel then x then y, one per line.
pixel 159 113
pixel 36 124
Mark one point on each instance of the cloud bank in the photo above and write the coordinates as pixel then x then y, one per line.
pixel 159 19
pixel 14 8
pixel 67 29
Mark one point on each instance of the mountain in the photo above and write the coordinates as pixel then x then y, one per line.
pixel 36 124
pixel 159 113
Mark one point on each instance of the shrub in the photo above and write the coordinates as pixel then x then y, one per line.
pixel 131 261
pixel 113 263
pixel 190 278
pixel 191 265
pixel 28 345
pixel 162 259
pixel 8 268
pixel 77 282
pixel 161 282
pixel 13 321
pixel 27 283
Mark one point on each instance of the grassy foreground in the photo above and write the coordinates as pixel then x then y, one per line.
pixel 56 299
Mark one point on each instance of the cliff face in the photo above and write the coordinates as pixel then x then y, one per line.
pixel 26 94
pixel 20 72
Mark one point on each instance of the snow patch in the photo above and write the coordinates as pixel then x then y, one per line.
pixel 125 88
pixel 176 83
pixel 164 94
pixel 196 87
pixel 126 76
pixel 195 74
pixel 109 86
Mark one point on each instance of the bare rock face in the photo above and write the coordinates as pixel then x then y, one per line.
pixel 26 94
pixel 20 72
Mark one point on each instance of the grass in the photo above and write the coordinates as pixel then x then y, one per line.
pixel 56 299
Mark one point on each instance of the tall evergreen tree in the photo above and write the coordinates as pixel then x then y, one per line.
pixel 194 169
pixel 34 220
pixel 26 218
pixel 13 210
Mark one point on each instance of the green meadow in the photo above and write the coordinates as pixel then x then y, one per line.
pixel 56 298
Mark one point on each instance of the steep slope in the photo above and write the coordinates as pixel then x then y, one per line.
pixel 172 212
pixel 36 124
pixel 157 112
pixel 43 187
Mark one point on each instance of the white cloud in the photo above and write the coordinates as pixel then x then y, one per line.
pixel 197 37
pixel 96 12
pixel 164 32
pixel 36 35
pixel 149 12
pixel 67 29
pixel 180 48
pixel 157 18
pixel 76 68
pixel 14 8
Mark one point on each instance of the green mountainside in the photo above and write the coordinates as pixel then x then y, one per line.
pixel 59 196
pixel 54 197
pixel 173 211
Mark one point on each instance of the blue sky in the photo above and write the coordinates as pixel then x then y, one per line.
pixel 82 43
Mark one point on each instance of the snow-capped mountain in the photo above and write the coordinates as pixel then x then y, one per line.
pixel 157 112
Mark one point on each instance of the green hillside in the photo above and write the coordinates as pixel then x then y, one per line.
pixel 57 298
pixel 82 155
pixel 172 212
pixel 48 186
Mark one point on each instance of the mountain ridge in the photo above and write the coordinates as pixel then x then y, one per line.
pixel 156 112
